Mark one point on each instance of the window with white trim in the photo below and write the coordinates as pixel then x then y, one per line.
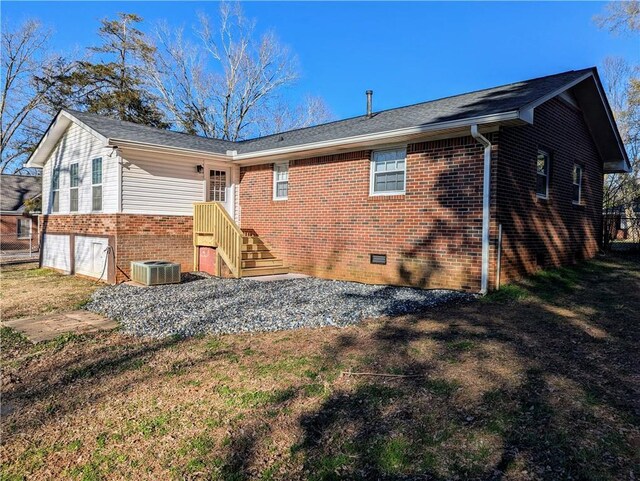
pixel 577 184
pixel 281 181
pixel 96 184
pixel 388 172
pixel 55 189
pixel 73 187
pixel 24 228
pixel 543 164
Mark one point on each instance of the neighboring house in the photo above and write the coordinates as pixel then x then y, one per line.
pixel 623 222
pixel 18 228
pixel 416 195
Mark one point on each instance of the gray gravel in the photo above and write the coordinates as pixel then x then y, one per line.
pixel 220 306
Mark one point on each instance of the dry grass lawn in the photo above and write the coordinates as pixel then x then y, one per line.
pixel 29 291
pixel 538 381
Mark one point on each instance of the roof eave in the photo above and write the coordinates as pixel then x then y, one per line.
pixel 148 147
pixel 54 132
pixel 378 137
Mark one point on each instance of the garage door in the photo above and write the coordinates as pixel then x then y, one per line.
pixel 90 256
pixel 55 252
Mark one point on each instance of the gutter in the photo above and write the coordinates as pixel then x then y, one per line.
pixel 486 206
pixel 246 158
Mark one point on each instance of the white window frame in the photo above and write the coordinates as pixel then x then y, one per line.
pixel 76 188
pixel 579 184
pixel 94 185
pixel 276 181
pixel 55 189
pixel 372 173
pixel 547 174
pixel 30 223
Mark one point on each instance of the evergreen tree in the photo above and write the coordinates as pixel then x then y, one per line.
pixel 112 81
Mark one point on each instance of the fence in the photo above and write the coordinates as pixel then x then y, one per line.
pixel 621 229
pixel 19 238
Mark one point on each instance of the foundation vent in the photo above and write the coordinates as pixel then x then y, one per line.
pixel 378 259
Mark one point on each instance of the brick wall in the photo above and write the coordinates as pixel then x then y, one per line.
pixel 141 237
pixel 137 237
pixel 330 224
pixel 541 233
pixel 9 240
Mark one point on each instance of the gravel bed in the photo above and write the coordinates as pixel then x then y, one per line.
pixel 202 305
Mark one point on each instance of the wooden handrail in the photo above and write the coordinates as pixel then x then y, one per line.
pixel 211 218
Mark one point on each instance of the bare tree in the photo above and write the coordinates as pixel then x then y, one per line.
pixel 28 71
pixel 281 116
pixel 224 84
pixel 620 16
pixel 622 191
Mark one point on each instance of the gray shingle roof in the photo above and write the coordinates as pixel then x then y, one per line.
pixel 16 189
pixel 122 130
pixel 505 98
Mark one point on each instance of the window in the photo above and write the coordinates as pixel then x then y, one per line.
pixel 73 187
pixel 55 189
pixel 542 174
pixel 388 172
pixel 96 184
pixel 217 186
pixel 24 228
pixel 280 181
pixel 577 184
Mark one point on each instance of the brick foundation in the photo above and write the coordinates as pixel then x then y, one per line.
pixel 137 237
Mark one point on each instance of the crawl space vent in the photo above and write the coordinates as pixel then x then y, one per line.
pixel 378 259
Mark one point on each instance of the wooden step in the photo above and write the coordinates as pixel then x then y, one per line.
pixel 252 240
pixel 254 247
pixel 257 255
pixel 264 271
pixel 262 263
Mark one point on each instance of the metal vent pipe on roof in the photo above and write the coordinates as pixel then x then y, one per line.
pixel 369 102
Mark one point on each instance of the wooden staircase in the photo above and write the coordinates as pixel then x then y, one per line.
pixel 242 251
pixel 257 259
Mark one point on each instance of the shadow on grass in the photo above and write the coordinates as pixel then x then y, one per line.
pixel 513 391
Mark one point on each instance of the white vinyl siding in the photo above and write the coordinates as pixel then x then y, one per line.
pixel 80 146
pixel 388 172
pixel 153 185
pixel 281 181
pixel 55 252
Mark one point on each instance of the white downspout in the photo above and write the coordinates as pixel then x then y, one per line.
pixel 486 207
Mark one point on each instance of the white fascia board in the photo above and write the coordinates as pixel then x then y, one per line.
pixel 386 135
pixel 54 132
pixel 163 149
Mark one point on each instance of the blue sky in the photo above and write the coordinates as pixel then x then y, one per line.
pixel 406 52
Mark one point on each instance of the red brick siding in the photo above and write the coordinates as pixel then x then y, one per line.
pixel 549 232
pixel 329 225
pixel 143 237
pixel 9 233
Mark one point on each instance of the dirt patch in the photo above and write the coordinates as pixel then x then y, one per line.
pixel 541 385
